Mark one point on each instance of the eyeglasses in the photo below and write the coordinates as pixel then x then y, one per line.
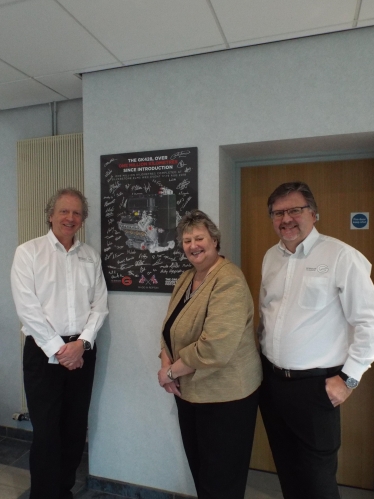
pixel 291 212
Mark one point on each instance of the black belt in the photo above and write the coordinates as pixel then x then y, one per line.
pixel 304 373
pixel 68 339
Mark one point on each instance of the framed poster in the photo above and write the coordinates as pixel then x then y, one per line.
pixel 143 197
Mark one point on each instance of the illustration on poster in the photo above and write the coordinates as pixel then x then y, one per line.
pixel 141 205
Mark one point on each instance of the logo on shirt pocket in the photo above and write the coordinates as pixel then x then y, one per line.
pixel 322 269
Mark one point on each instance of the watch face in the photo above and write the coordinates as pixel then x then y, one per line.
pixel 86 345
pixel 351 383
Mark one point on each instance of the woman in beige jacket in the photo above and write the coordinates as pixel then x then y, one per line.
pixel 209 361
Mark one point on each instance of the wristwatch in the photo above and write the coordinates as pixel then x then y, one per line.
pixel 169 374
pixel 350 382
pixel 86 344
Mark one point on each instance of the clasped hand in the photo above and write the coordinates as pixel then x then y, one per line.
pixel 70 355
pixel 169 385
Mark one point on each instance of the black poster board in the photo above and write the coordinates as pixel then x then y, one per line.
pixel 143 197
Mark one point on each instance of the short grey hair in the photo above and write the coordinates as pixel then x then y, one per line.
pixel 67 191
pixel 196 218
pixel 285 189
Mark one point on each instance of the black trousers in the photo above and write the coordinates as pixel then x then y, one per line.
pixel 58 401
pixel 218 442
pixel 303 429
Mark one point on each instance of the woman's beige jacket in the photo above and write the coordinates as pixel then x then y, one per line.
pixel 214 335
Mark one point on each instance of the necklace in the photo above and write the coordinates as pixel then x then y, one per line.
pixel 189 293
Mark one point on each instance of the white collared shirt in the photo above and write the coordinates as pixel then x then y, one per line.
pixel 317 306
pixel 58 292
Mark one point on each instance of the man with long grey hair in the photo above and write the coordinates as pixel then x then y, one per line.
pixel 61 299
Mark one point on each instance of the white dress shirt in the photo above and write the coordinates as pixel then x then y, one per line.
pixel 58 292
pixel 317 306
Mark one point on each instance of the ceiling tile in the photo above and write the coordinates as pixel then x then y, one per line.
pixel 7 73
pixel 66 84
pixel 51 40
pixel 258 19
pixel 365 23
pixel 3 2
pixel 101 67
pixel 38 37
pixel 133 29
pixel 25 93
pixel 366 17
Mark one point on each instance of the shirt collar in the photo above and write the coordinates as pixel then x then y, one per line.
pixel 56 243
pixel 305 246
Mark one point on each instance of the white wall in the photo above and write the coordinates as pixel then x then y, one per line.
pixel 314 87
pixel 19 124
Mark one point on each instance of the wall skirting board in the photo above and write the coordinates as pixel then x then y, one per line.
pixel 129 490
pixel 121 489
pixel 18 433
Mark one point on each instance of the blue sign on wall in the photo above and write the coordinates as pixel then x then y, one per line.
pixel 360 220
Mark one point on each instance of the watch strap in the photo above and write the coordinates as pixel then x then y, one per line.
pixel 350 382
pixel 169 374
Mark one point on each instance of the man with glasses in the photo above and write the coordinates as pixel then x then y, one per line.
pixel 317 339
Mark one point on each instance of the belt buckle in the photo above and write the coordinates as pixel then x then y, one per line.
pixel 286 372
pixel 73 337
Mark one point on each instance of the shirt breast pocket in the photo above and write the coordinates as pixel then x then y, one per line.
pixel 313 293
pixel 87 274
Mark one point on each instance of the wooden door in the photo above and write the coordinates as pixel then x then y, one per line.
pixel 339 187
